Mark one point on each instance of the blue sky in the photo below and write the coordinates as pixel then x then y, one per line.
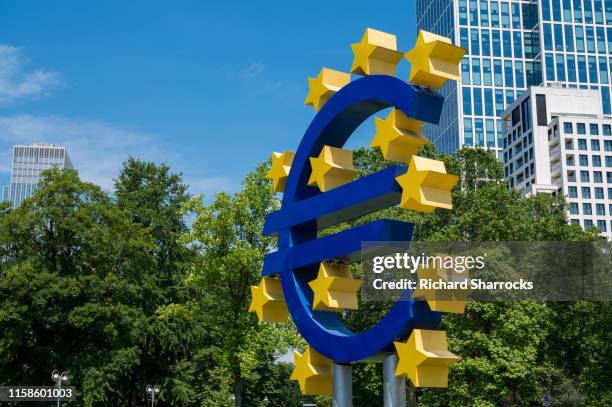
pixel 212 88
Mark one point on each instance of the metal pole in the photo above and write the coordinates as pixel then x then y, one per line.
pixel 394 387
pixel 342 385
pixel 59 391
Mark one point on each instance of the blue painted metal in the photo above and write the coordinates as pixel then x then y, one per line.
pixel 305 211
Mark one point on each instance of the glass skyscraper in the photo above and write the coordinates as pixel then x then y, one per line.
pixel 28 163
pixel 512 45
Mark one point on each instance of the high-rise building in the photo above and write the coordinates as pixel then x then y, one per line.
pixel 512 45
pixel 557 140
pixel 28 163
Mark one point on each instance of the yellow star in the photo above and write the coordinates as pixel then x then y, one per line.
pixel 313 372
pixel 332 168
pixel 268 301
pixel 425 358
pixel 398 137
pixel 334 289
pixel 434 59
pixel 426 185
pixel 324 86
pixel 443 300
pixel 376 54
pixel 279 171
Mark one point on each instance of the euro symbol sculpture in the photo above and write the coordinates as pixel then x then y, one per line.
pixel 308 276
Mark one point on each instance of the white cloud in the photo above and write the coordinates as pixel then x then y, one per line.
pixel 98 149
pixel 16 83
pixel 254 70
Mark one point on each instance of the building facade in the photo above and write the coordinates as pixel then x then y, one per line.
pixel 28 162
pixel 512 45
pixel 559 141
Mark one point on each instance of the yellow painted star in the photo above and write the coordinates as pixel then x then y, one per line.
pixel 398 137
pixel 443 300
pixel 334 289
pixel 434 60
pixel 313 372
pixel 426 185
pixel 376 54
pixel 425 358
pixel 279 171
pixel 324 86
pixel 268 301
pixel 332 168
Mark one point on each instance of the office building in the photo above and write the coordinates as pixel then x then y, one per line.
pixel 28 163
pixel 558 141
pixel 512 45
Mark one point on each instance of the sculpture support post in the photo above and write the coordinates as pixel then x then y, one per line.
pixel 342 385
pixel 394 387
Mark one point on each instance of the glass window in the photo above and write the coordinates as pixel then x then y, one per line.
pixel 499 101
pixel 588 224
pixel 520 74
pixel 488 102
pixel 556 9
pixel 516 16
pixel 577 11
pixel 568 128
pixel 579 39
pixel 572 192
pixel 467 101
pixel 598 12
pixel 474 43
pixel 478 132
pixel 609 179
pixel 608 7
pixel 505 12
pixel 518 44
pixel 509 97
pixel 592 70
pixel 494 14
pixel 569 37
pixel 599 193
pixel 582 74
pixel 463 12
pixel 560 67
pixel 571 68
pixel 507 45
pixel 465 72
pixel 550 68
pixel 484 13
pixel 558 37
pixel 473 12
pixel 490 126
pixel 596 161
pixel 573 208
pixel 496 43
pixel 508 72
pixel 597 177
pixel 497 73
pixel 486 47
pixel 601 40
pixel 584 177
pixel 467 131
pixel 607 130
pixel 603 70
pixel 600 209
pixel 486 72
pixel 608 161
pixel 594 131
pixel 581 129
pixel 583 159
pixel 605 100
pixel 463 39
pixel 590 39
pixel 548 41
pixel 601 225
pixel 477 96
pixel 586 192
pixel 588 13
pixel 545 9
pixel 476 71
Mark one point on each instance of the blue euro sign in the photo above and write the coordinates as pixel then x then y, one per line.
pixel 305 211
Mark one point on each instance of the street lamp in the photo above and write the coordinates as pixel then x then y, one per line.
pixel 152 392
pixel 59 379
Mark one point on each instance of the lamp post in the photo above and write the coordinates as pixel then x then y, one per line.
pixel 152 392
pixel 59 379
